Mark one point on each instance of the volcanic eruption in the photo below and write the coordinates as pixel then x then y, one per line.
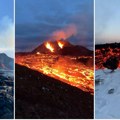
pixel 60 44
pixel 49 46
pixel 60 59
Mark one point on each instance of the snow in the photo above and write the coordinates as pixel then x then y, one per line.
pixel 107 94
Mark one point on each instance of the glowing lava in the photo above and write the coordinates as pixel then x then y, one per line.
pixel 60 44
pixel 64 69
pixel 38 53
pixel 49 46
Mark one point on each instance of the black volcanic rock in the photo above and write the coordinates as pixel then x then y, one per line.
pixel 6 62
pixel 107 45
pixel 6 95
pixel 76 50
pixel 111 63
pixel 41 97
pixel 68 49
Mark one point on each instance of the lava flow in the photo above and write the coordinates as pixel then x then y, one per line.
pixel 64 68
pixel 102 54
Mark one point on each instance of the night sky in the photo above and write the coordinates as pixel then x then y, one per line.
pixel 107 21
pixel 36 20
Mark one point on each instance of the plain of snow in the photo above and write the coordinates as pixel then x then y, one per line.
pixel 107 105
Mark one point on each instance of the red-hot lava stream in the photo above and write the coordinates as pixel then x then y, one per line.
pixel 63 69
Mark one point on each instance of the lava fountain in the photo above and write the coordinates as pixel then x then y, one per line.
pixel 60 44
pixel 49 46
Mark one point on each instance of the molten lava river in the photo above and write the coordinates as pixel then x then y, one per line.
pixel 63 68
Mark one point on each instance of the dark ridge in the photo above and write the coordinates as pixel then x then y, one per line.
pixel 107 45
pixel 40 96
pixel 76 50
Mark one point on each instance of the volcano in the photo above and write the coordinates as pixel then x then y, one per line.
pixel 6 62
pixel 71 64
pixel 66 48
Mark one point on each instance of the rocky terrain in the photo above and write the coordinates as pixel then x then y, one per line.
pixel 6 87
pixel 6 94
pixel 40 96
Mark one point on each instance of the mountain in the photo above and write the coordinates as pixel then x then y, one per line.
pixel 68 49
pixel 42 48
pixel 6 62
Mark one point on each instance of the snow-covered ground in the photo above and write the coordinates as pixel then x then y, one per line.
pixel 107 94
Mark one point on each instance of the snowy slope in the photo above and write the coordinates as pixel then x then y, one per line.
pixel 107 94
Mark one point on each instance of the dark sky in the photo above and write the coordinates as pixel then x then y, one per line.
pixel 36 20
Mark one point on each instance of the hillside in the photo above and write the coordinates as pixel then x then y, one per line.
pixel 40 96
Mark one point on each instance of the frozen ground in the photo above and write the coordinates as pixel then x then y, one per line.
pixel 107 94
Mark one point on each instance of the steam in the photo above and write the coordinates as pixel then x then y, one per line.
pixel 65 32
pixel 6 35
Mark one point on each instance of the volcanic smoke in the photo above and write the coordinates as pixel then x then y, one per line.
pixel 65 33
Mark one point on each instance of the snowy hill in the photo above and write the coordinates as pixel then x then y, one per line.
pixel 107 94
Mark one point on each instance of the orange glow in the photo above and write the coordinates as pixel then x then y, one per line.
pixel 64 69
pixel 38 53
pixel 60 44
pixel 49 46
